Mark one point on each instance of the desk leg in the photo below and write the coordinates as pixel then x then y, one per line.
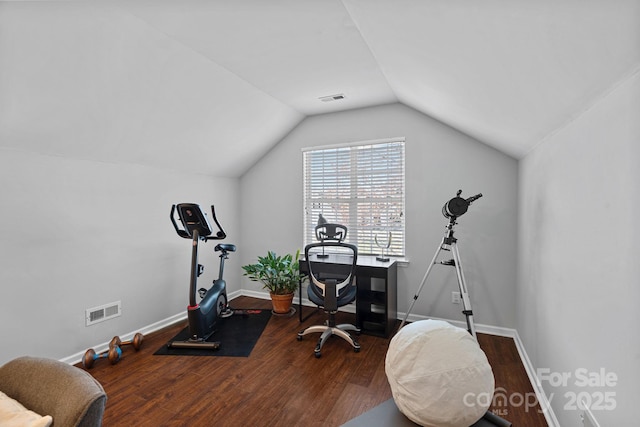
pixel 363 288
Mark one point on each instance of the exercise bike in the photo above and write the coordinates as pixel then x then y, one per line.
pixel 202 316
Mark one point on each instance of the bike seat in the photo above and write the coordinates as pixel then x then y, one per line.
pixel 226 247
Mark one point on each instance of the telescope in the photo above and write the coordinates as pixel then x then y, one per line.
pixel 452 210
pixel 458 206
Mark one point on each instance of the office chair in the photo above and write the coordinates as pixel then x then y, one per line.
pixel 331 285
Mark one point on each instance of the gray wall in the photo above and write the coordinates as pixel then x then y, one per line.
pixel 77 234
pixel 439 161
pixel 578 256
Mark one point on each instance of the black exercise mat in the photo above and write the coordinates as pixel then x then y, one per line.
pixel 237 335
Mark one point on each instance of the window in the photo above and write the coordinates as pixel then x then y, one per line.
pixel 361 186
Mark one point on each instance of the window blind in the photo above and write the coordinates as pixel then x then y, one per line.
pixel 361 186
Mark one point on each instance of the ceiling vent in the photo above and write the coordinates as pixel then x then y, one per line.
pixel 330 98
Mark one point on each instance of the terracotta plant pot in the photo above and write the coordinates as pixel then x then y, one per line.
pixel 281 303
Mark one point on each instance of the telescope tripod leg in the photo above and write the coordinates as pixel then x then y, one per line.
pixel 424 279
pixel 464 294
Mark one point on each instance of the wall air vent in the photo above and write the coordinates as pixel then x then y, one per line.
pixel 330 98
pixel 102 313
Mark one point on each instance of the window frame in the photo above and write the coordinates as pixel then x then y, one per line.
pixel 362 229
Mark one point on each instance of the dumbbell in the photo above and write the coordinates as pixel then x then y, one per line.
pixel 90 356
pixel 136 341
pixel 114 354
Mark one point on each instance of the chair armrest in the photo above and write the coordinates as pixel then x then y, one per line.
pixel 49 387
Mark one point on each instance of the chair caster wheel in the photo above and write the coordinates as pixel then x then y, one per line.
pixel 299 337
pixel 356 349
pixel 317 354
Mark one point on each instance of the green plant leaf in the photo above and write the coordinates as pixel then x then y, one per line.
pixel 278 274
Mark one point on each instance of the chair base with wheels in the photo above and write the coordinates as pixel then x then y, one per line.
pixel 329 293
pixel 329 330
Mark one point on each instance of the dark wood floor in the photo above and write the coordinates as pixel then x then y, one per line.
pixel 280 384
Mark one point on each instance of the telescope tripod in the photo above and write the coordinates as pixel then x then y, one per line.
pixel 449 243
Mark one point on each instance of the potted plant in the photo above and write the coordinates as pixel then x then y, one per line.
pixel 280 275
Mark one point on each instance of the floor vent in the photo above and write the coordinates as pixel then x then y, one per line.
pixel 102 313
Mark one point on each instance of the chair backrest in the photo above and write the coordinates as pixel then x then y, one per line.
pixel 331 232
pixel 331 278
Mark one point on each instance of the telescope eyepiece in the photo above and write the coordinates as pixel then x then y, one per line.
pixel 474 198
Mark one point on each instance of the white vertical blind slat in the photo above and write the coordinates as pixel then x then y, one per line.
pixel 361 187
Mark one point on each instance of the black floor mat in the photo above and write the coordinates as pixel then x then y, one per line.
pixel 237 335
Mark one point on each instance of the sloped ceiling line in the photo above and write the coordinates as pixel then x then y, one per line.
pixel 366 42
pixel 587 107
pixel 197 51
pixel 143 81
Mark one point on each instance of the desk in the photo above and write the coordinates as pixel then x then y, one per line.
pixel 376 294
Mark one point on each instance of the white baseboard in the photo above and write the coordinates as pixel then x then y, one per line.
pixel 485 329
pixel 544 402
pixel 545 405
pixel 99 348
pixel 349 308
pixel 247 293
pixel 587 417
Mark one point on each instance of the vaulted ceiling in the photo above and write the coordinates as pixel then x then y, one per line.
pixel 211 85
